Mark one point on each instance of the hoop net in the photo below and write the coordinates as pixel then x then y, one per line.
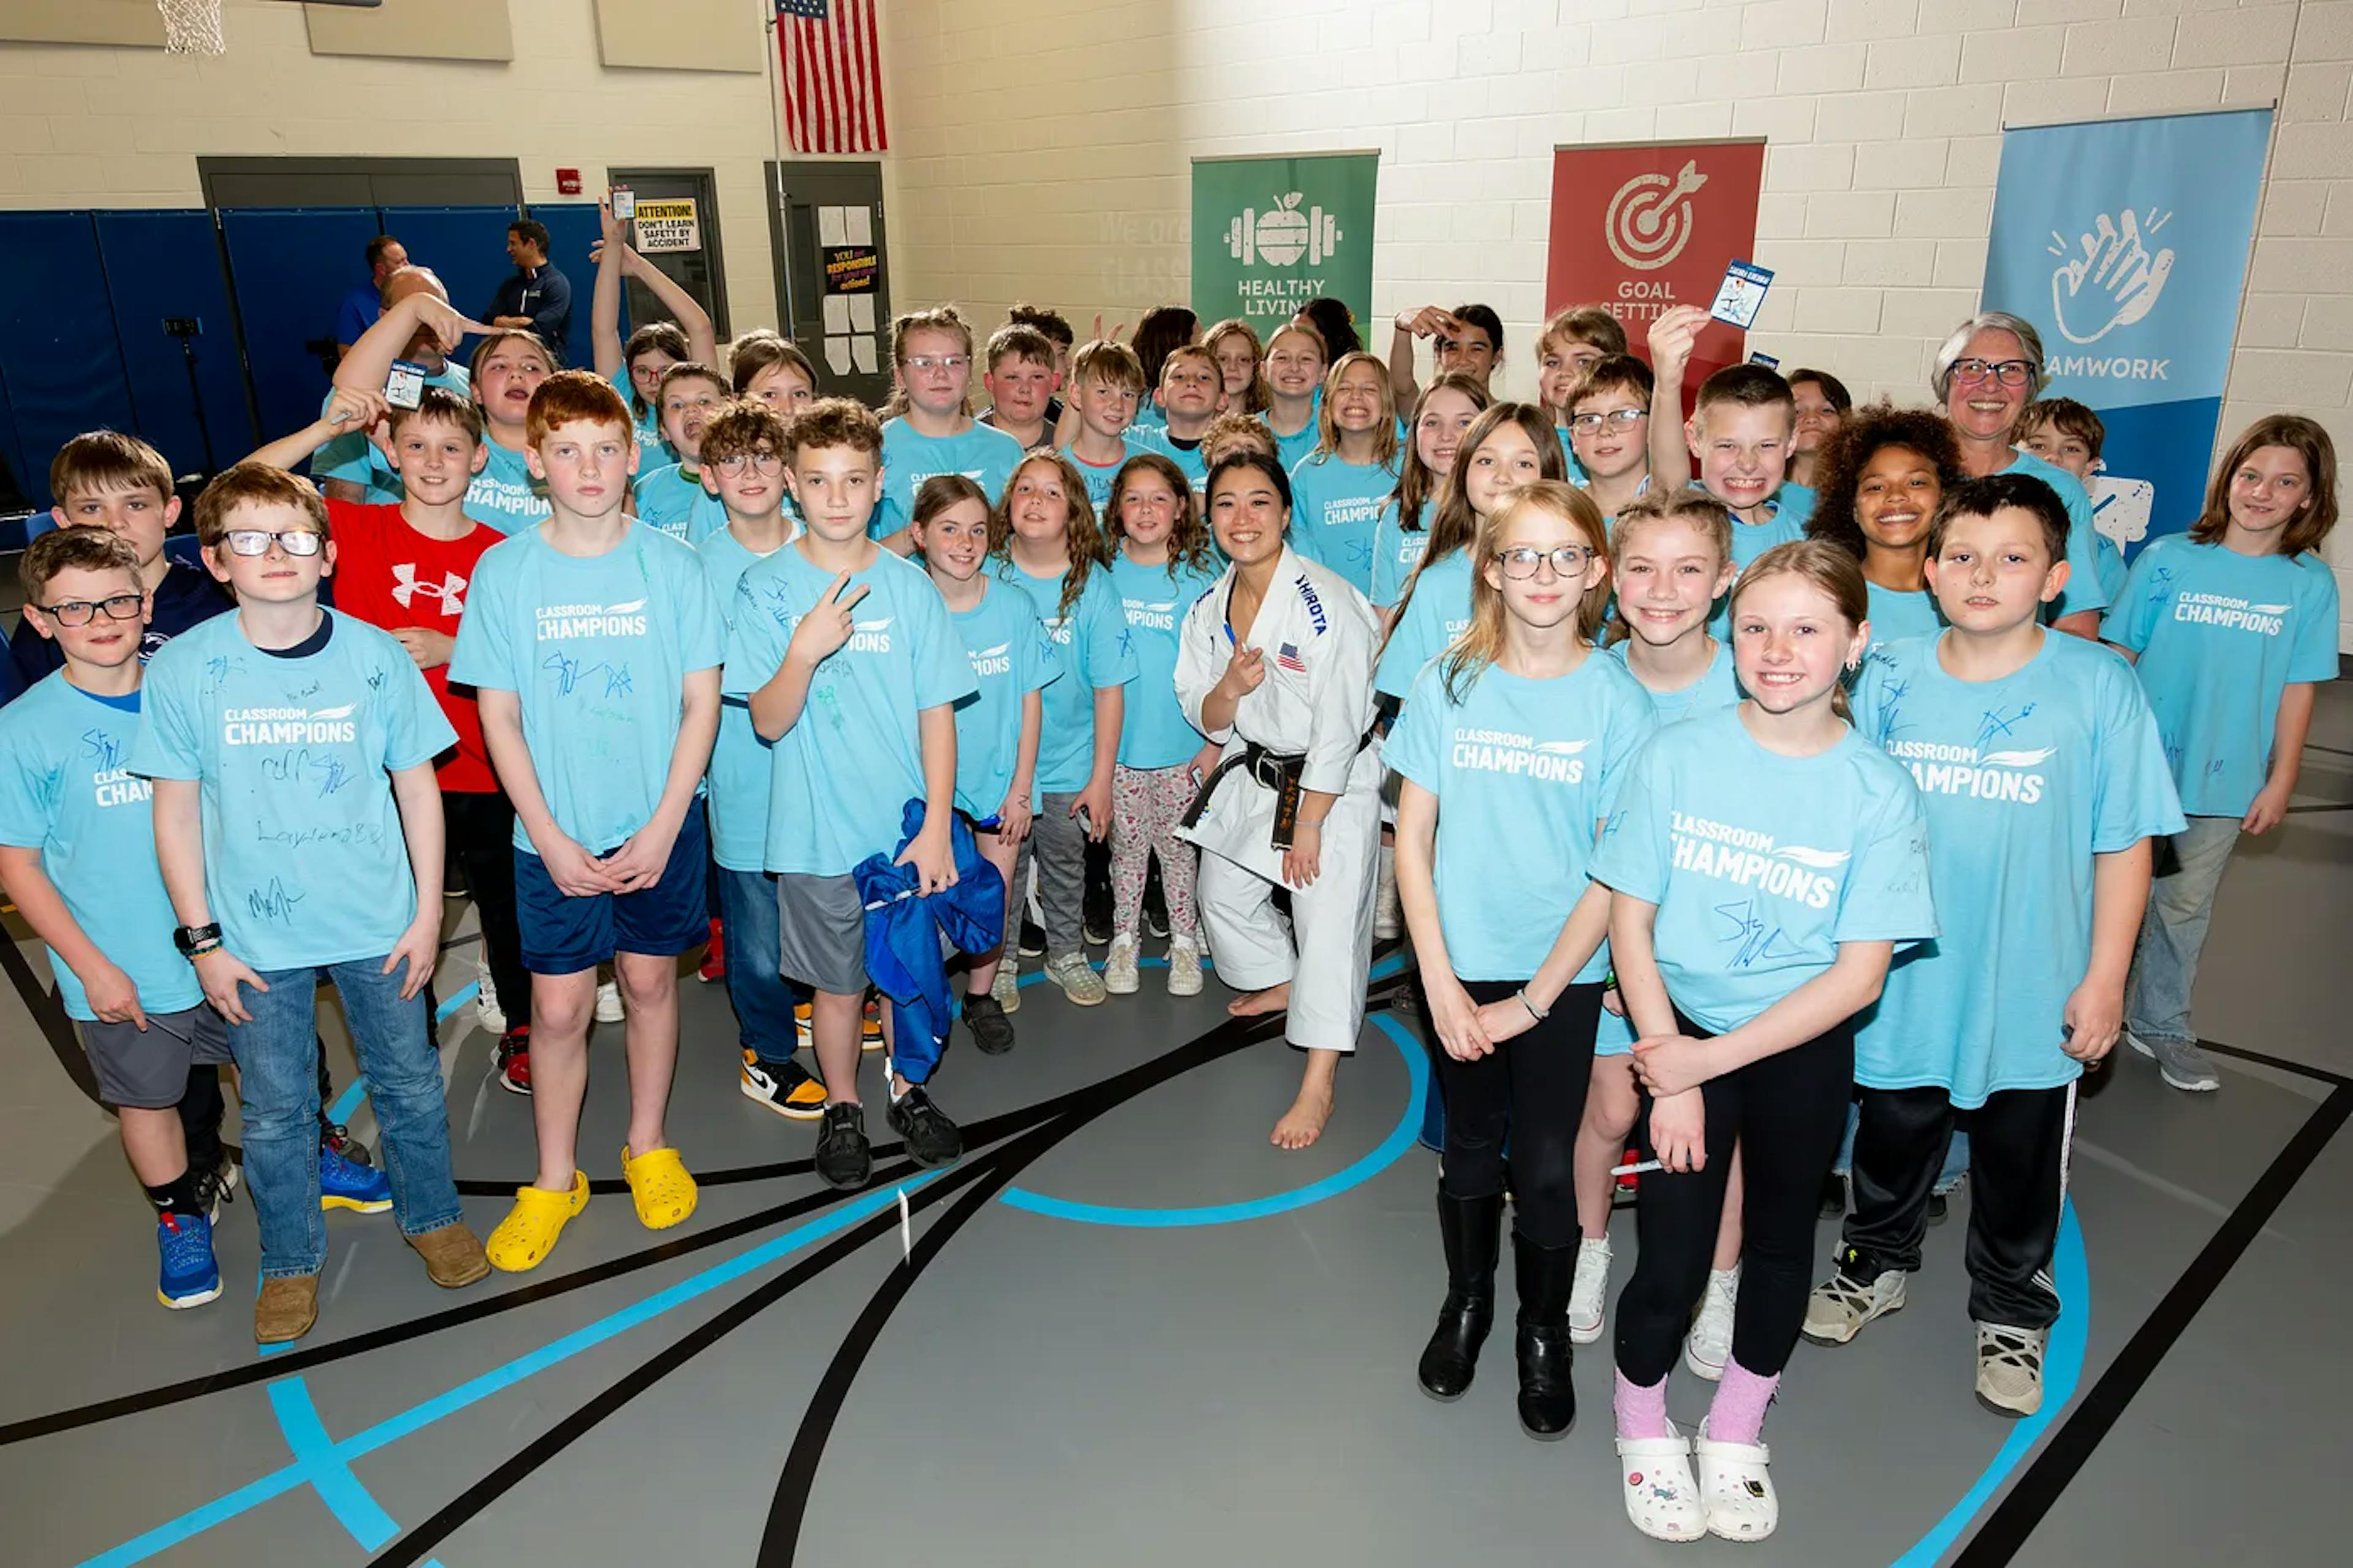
pixel 192 27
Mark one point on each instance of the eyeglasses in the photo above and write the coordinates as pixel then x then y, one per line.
pixel 2008 372
pixel 1617 419
pixel 78 612
pixel 938 362
pixel 257 540
pixel 1521 561
pixel 757 462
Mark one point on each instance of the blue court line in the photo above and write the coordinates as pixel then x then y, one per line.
pixel 309 1462
pixel 349 1101
pixel 2062 1368
pixel 314 1451
pixel 1401 1137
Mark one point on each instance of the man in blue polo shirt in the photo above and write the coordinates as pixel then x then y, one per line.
pixel 364 304
pixel 538 297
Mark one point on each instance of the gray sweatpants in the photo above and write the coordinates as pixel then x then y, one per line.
pixel 1059 842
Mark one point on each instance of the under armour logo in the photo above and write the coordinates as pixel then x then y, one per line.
pixel 450 590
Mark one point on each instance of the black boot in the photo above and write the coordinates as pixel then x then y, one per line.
pixel 1548 1401
pixel 1472 1231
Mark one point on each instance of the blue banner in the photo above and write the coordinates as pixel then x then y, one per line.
pixel 2126 242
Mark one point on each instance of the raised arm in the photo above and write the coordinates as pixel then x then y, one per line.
pixel 348 409
pixel 1672 337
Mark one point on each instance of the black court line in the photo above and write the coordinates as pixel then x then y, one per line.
pixel 2325 805
pixel 50 1014
pixel 2071 1446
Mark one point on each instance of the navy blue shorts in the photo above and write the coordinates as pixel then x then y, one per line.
pixel 563 936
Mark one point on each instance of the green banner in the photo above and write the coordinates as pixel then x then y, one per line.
pixel 1271 234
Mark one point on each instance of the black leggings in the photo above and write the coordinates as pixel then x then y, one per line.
pixel 1529 1091
pixel 482 833
pixel 1788 1113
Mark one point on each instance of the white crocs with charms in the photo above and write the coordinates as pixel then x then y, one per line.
pixel 1661 1496
pixel 1737 1488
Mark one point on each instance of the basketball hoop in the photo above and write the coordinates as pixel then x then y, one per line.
pixel 192 27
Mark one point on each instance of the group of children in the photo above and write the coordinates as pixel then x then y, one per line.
pixel 1730 817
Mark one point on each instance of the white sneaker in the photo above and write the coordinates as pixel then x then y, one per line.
pixel 2010 1369
pixel 490 1016
pixel 1077 978
pixel 608 1003
pixel 1588 1289
pixel 1388 917
pixel 1709 1344
pixel 1737 1488
pixel 1119 969
pixel 1662 1497
pixel 1006 987
pixel 1184 970
pixel 1840 1305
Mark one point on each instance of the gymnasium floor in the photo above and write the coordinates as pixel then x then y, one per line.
pixel 1130 1331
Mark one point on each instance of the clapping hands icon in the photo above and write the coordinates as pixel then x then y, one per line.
pixel 2113 282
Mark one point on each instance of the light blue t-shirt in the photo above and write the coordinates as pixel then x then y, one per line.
pixel 2112 568
pixel 2084 591
pixel 1524 772
pixel 305 862
pixel 846 768
pixel 1012 655
pixel 2024 780
pixel 1787 512
pixel 1152 732
pixel 1099 477
pixel 1573 469
pixel 1095 650
pixel 65 791
pixel 1336 508
pixel 1435 616
pixel 983 454
pixel 1896 616
pixel 1718 687
pixel 678 505
pixel 740 762
pixel 504 495
pixel 1396 551
pixel 2219 635
pixel 1761 865
pixel 598 648
pixel 1294 449
pixel 653 452
pixel 1188 459
pixel 354 459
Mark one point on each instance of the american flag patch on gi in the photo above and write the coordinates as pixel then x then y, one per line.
pixel 1288 656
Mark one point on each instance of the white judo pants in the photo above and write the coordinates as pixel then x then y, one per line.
pixel 1325 949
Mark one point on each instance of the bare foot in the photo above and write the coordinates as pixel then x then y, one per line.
pixel 1303 1122
pixel 1273 999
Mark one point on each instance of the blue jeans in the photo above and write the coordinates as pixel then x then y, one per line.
pixel 1957 1153
pixel 761 997
pixel 2189 867
pixel 276 1067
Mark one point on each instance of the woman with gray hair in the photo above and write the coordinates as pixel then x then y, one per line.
pixel 1988 370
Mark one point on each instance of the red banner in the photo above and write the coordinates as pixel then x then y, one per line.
pixel 1637 229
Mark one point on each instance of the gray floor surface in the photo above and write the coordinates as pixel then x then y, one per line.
pixel 1129 1330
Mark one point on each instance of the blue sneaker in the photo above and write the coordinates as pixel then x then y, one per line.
pixel 190 1278
pixel 363 1189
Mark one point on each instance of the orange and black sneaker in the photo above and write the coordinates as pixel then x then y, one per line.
pixel 785 1087
pixel 872 1039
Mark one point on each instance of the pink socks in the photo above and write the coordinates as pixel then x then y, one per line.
pixel 1641 1411
pixel 1737 1413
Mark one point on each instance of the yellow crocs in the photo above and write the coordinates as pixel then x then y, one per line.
pixel 665 1195
pixel 533 1227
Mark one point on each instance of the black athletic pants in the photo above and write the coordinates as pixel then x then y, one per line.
pixel 481 832
pixel 1529 1091
pixel 2018 1150
pixel 1788 1113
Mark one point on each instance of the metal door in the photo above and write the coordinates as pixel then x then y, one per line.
pixel 825 227
pixel 696 263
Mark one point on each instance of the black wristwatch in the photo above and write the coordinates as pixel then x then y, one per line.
pixel 187 939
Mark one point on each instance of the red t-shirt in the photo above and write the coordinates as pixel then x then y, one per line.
pixel 390 576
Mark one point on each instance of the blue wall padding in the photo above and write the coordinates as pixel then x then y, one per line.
pixel 161 264
pixel 59 358
pixel 465 247
pixel 291 267
pixel 573 228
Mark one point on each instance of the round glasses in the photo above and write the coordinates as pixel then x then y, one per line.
pixel 1521 561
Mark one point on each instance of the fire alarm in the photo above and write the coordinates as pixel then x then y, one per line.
pixel 567 182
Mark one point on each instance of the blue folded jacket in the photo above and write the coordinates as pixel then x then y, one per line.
pixel 903 928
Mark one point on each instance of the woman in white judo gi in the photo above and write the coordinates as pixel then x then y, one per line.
pixel 1276 664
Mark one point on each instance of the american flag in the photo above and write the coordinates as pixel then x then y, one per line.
pixel 832 75
pixel 1288 656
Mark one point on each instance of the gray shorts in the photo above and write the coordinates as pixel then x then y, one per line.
pixel 150 1071
pixel 823 925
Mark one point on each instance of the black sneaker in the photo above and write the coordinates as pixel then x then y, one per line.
pixel 1098 928
pixel 1833 1197
pixel 1155 903
pixel 992 1031
pixel 1033 938
pixel 844 1158
pixel 336 1138
pixel 1937 1209
pixel 929 1137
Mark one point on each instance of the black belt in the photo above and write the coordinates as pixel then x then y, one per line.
pixel 1278 771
